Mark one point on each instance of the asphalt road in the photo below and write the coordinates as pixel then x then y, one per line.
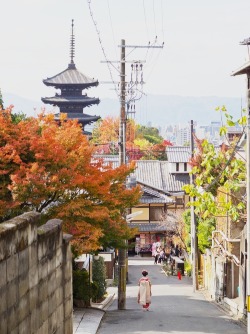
pixel 175 308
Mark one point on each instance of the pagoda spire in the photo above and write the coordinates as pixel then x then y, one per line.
pixel 72 47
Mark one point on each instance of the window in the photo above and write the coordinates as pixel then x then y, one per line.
pixel 179 201
pixel 156 213
pixel 177 167
pixel 185 166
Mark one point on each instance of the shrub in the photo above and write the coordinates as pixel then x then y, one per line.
pixel 188 268
pixel 99 278
pixel 81 285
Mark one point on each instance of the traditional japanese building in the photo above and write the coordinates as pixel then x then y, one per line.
pixel 157 215
pixel 71 83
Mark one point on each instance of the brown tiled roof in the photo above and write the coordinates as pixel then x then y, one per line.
pixel 178 153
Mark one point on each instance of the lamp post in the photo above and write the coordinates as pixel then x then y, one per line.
pixel 245 69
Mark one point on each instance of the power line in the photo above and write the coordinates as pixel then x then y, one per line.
pixel 154 16
pixel 144 11
pixel 111 23
pixel 162 20
pixel 102 47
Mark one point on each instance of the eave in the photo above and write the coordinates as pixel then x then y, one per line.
pixel 244 69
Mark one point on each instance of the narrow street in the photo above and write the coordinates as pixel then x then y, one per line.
pixel 175 307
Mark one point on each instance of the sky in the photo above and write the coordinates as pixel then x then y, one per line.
pixel 201 44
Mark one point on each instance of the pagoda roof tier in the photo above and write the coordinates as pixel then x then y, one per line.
pixel 81 117
pixel 71 76
pixel 79 100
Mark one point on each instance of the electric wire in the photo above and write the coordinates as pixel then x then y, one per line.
pixel 151 60
pixel 154 17
pixel 135 94
pixel 144 10
pixel 145 18
pixel 154 64
pixel 102 48
pixel 162 20
pixel 111 23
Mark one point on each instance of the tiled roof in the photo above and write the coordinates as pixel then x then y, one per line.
pixel 243 69
pixel 153 196
pixel 178 153
pixel 82 116
pixel 83 100
pixel 146 199
pixel 70 76
pixel 152 227
pixel 155 174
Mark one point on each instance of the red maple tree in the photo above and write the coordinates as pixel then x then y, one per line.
pixel 48 167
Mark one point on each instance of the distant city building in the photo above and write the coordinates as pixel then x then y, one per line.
pixel 210 132
pixel 183 136
pixel 71 83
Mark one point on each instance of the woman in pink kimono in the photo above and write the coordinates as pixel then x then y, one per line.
pixel 144 293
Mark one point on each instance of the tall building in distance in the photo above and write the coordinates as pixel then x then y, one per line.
pixel 183 136
pixel 71 83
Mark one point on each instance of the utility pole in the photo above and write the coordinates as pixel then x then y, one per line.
pixel 122 252
pixel 245 69
pixel 194 241
pixel 122 160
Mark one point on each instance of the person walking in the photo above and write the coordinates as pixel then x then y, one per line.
pixel 156 257
pixel 144 293
pixel 162 256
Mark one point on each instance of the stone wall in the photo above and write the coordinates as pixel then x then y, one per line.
pixel 35 277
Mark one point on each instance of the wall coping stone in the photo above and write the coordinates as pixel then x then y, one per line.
pixel 67 238
pixel 18 222
pixel 52 226
pixel 6 228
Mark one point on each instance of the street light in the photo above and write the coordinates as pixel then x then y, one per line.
pixel 245 69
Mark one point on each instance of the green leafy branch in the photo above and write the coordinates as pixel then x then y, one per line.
pixel 219 175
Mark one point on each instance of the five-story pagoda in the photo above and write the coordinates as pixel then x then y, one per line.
pixel 72 82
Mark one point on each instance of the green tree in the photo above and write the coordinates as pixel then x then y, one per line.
pixel 204 231
pixel 152 133
pixel 1 100
pixel 219 175
pixel 142 142
pixel 216 171
pixel 18 117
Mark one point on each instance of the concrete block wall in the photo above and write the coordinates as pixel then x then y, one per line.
pixel 35 277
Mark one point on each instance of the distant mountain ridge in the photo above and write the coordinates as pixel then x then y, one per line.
pixel 161 109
